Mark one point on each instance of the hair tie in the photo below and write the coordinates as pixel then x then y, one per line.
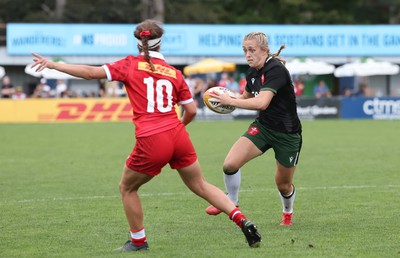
pixel 144 33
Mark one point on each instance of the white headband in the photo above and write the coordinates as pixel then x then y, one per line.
pixel 152 43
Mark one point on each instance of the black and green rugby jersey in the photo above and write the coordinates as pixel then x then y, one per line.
pixel 281 114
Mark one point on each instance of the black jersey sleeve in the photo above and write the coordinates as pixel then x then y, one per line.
pixel 281 114
pixel 275 79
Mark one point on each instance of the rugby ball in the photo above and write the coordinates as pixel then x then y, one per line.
pixel 212 103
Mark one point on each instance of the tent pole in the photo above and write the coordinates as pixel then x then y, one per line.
pixel 388 85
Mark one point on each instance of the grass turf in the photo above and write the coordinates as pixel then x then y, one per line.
pixel 59 193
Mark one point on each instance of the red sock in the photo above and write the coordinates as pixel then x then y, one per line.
pixel 237 216
pixel 138 237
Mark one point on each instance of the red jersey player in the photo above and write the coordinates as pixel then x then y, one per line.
pixel 154 88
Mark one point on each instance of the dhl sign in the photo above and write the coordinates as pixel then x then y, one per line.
pixel 96 112
pixel 65 110
pixel 160 69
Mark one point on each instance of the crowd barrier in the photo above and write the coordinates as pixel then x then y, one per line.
pixel 350 108
pixel 119 109
pixel 309 108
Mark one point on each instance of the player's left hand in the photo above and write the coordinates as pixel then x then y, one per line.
pixel 222 97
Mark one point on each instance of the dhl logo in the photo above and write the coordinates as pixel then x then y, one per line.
pixel 160 69
pixel 71 110
pixel 114 111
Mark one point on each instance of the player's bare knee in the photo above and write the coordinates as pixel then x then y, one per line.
pixel 229 170
pixel 121 188
pixel 285 188
pixel 125 189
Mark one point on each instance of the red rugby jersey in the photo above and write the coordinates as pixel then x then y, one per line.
pixel 153 95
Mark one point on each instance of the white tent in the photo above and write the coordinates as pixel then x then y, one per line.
pixel 299 66
pixel 2 72
pixel 48 73
pixel 32 71
pixel 366 67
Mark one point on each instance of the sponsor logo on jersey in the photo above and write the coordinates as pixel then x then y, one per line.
pixel 255 93
pixel 160 69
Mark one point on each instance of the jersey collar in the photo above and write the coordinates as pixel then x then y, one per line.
pixel 155 54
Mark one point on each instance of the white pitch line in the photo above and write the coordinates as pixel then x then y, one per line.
pixel 188 192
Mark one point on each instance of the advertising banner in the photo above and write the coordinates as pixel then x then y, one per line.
pixel 370 108
pixel 65 110
pixel 119 109
pixel 312 108
pixel 203 40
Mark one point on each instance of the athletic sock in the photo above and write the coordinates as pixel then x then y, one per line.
pixel 237 216
pixel 232 186
pixel 138 237
pixel 287 201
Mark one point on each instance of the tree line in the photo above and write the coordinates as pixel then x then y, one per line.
pixel 202 11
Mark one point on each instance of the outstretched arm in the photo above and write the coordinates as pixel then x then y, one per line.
pixel 82 71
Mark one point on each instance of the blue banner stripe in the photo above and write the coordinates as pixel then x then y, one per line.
pixel 204 40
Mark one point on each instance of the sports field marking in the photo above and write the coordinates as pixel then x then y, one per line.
pixel 188 192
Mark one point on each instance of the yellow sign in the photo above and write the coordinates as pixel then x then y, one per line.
pixel 65 110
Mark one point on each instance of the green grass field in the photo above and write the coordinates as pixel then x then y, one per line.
pixel 59 193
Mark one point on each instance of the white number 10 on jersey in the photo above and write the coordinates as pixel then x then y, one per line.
pixel 161 96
